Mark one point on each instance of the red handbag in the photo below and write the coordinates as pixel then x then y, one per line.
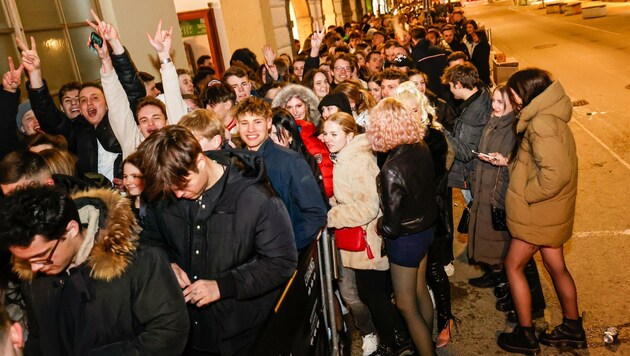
pixel 353 239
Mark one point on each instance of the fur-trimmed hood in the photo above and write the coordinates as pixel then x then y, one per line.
pixel 305 94
pixel 114 230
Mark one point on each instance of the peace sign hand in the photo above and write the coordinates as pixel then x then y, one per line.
pixel 30 58
pixel 317 37
pixel 11 80
pixel 107 31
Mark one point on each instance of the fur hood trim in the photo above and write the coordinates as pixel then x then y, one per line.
pixel 115 242
pixel 305 94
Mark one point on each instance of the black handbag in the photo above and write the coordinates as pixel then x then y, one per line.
pixel 499 221
pixel 462 227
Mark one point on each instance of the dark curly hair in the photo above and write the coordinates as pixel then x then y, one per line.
pixel 34 211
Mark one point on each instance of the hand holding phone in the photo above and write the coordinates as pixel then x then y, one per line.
pixel 95 39
pixel 483 154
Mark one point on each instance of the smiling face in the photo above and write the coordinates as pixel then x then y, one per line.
pixel 321 87
pixel 150 119
pixel 419 82
pixel 70 104
pixel 93 104
pixel 334 136
pixel 133 179
pixel 30 125
pixel 297 108
pixel 186 85
pixel 342 71
pixel 253 130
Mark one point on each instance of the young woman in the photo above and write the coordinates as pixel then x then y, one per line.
pixel 317 80
pixel 360 101
pixel 134 185
pixel 356 204
pixel 441 250
pixel 374 87
pixel 540 203
pixel 409 212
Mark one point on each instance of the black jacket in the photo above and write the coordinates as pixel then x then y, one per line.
pixel 407 190
pixel 9 139
pixel 240 235
pixel 480 58
pixel 430 60
pixel 474 114
pixel 123 300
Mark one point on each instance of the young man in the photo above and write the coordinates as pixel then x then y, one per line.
pixel 429 59
pixel 220 99
pixel 227 234
pixel 472 115
pixel 237 78
pixel 390 80
pixel 21 169
pixel 343 66
pixel 288 172
pixel 149 84
pixel 88 286
pixel 374 62
pixel 448 33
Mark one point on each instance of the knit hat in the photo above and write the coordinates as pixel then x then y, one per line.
pixel 22 110
pixel 339 100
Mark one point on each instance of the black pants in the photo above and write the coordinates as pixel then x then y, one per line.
pixel 375 291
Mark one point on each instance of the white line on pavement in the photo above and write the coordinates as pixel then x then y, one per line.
pixel 621 160
pixel 601 233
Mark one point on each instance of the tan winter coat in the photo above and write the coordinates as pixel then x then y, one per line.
pixel 356 201
pixel 540 201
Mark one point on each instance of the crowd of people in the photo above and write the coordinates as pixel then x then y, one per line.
pixel 144 217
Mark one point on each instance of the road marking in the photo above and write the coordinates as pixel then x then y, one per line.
pixel 619 158
pixel 601 233
pixel 564 22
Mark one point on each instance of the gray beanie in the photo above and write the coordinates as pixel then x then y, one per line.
pixel 22 110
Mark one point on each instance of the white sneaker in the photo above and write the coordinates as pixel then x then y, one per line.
pixel 370 344
pixel 449 269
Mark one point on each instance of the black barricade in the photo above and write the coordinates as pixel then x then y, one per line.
pixel 296 326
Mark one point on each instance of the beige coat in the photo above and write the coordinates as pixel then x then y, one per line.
pixel 540 201
pixel 356 201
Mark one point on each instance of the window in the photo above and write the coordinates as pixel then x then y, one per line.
pixel 60 33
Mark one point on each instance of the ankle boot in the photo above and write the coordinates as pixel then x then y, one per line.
pixel 521 340
pixel 568 334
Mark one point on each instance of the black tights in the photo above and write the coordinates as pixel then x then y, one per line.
pixel 414 302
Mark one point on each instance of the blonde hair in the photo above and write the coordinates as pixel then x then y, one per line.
pixel 204 123
pixel 60 162
pixel 346 121
pixel 409 91
pixel 392 125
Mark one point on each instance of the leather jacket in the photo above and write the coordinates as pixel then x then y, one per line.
pixel 407 191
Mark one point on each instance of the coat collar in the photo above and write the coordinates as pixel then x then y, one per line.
pixel 113 228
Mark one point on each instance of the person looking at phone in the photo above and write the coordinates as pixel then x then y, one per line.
pixel 472 116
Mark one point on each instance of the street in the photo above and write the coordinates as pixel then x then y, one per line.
pixel 590 58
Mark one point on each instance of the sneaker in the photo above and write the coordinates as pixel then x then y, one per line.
pixel 449 269
pixel 521 340
pixel 370 344
pixel 568 334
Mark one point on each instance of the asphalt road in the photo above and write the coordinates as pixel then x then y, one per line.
pixel 590 58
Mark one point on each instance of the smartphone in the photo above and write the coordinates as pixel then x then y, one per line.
pixel 95 39
pixel 483 154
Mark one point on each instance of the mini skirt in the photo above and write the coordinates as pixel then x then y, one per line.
pixel 409 250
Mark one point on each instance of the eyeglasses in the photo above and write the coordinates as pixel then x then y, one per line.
pixel 47 261
pixel 343 69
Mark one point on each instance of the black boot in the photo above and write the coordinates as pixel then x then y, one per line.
pixel 505 304
pixel 568 334
pixel 490 279
pixel 521 340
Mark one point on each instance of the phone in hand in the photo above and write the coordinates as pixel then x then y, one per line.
pixel 483 154
pixel 95 39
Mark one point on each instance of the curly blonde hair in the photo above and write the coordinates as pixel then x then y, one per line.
pixel 392 125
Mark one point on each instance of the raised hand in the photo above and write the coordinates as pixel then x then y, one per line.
pixel 317 37
pixel 11 80
pixel 269 53
pixel 162 41
pixel 30 58
pixel 107 32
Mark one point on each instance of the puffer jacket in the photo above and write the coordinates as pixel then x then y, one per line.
pixel 474 114
pixel 540 201
pixel 356 201
pixel 318 149
pixel 306 95
pixel 123 299
pixel 407 191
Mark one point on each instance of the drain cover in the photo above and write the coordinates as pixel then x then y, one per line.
pixel 545 46
pixel 580 102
